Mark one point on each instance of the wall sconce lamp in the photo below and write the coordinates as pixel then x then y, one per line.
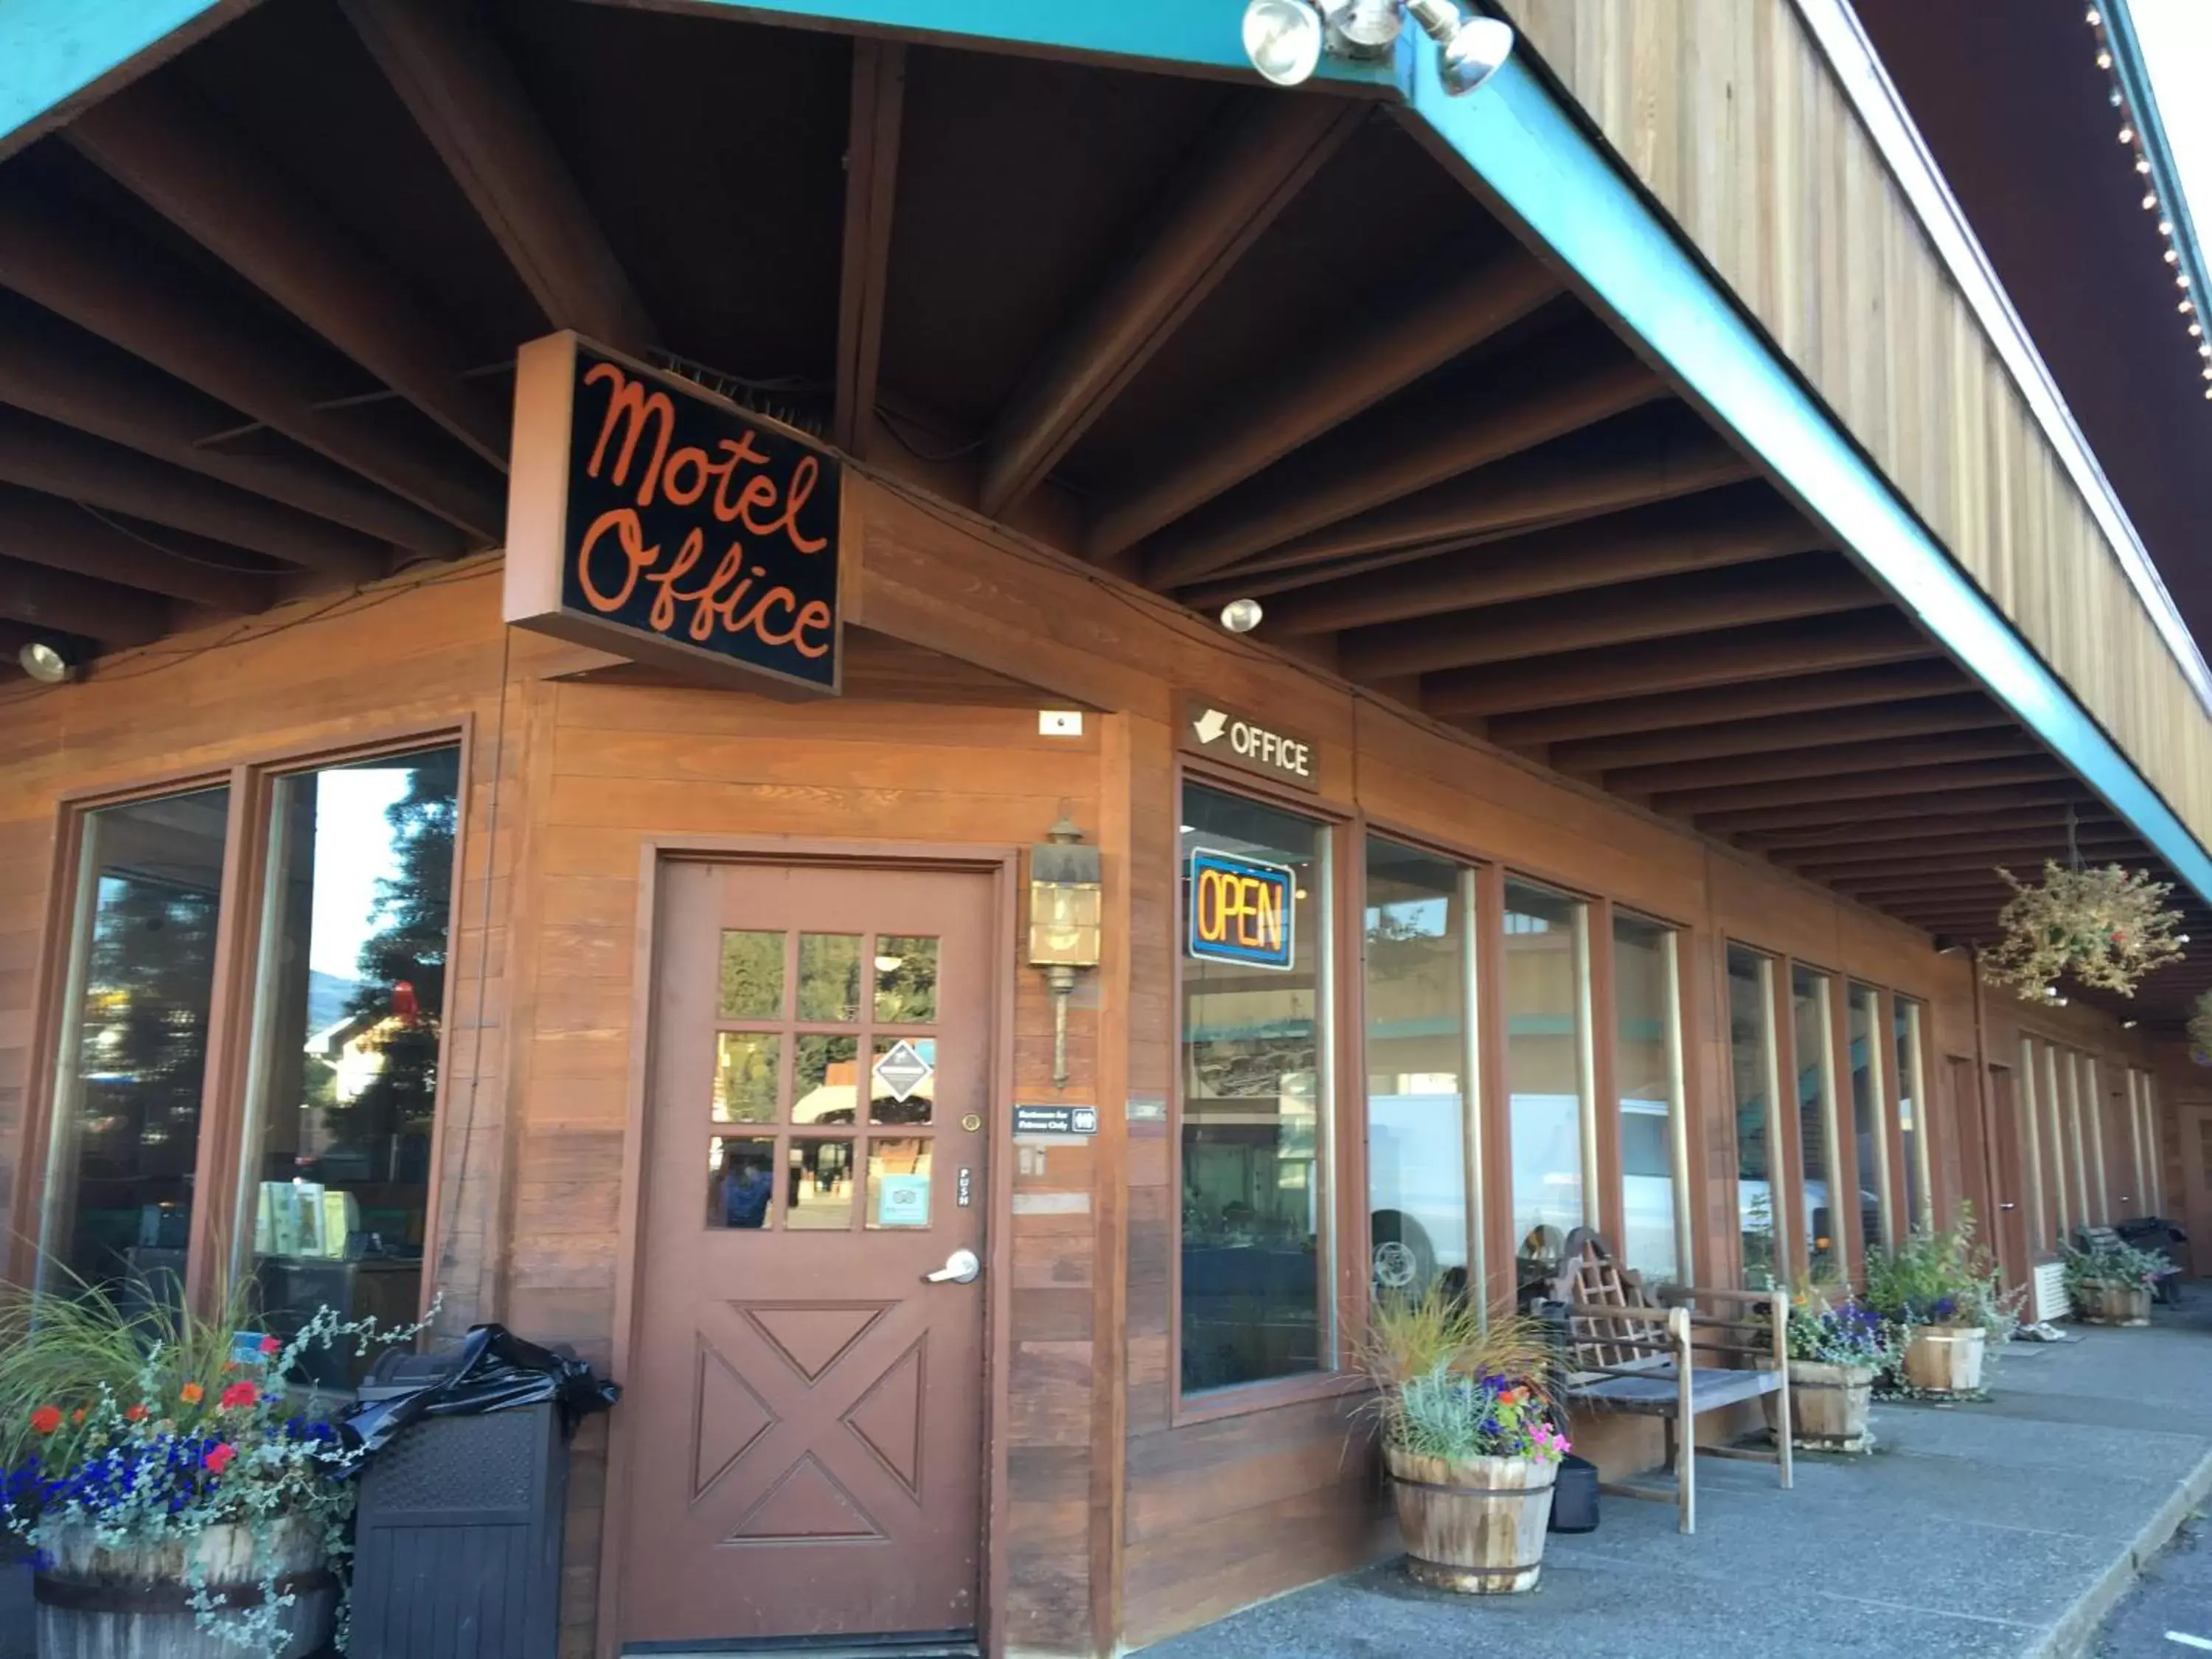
pixel 1065 904
pixel 1285 39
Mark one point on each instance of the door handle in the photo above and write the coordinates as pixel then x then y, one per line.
pixel 2008 1206
pixel 961 1267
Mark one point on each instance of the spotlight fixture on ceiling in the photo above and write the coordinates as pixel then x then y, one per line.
pixel 50 661
pixel 1242 616
pixel 1285 39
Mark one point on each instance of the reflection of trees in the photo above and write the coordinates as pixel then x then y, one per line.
pixel 403 964
pixel 145 1036
pixel 906 995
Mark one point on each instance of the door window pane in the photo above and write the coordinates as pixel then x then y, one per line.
pixel 829 977
pixel 818 1196
pixel 1812 1025
pixel 752 976
pixel 348 997
pixel 1910 1093
pixel 740 1181
pixel 906 979
pixel 1752 1068
pixel 134 1045
pixel 899 1182
pixel 1548 1072
pixel 1647 1064
pixel 1869 1133
pixel 1418 943
pixel 826 1081
pixel 745 1077
pixel 1254 1074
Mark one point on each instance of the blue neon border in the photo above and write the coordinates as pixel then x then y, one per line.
pixel 1282 962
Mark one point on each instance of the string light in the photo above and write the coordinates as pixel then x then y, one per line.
pixel 2131 136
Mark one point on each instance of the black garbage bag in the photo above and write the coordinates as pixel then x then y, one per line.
pixel 493 1370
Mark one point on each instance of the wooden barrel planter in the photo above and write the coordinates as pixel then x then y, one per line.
pixel 1476 1527
pixel 137 1602
pixel 2104 1304
pixel 1945 1359
pixel 1828 1406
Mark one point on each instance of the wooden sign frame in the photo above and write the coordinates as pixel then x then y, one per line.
pixel 540 483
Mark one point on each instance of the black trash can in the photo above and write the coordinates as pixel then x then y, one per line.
pixel 457 1541
pixel 1574 1495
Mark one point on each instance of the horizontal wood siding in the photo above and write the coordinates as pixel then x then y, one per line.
pixel 1728 113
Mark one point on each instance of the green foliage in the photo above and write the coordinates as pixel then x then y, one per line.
pixel 2114 1266
pixel 1450 1384
pixel 1828 1328
pixel 1941 1277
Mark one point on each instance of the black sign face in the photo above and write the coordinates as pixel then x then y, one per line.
pixel 686 531
pixel 1241 741
pixel 1055 1119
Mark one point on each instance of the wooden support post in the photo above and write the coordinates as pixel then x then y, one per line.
pixel 1237 189
pixel 442 61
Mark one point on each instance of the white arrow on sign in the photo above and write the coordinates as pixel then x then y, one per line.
pixel 1210 725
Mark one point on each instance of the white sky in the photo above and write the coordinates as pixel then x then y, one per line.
pixel 2176 36
pixel 353 848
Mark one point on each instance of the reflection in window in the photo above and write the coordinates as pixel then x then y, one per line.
pixel 134 1050
pixel 2031 1122
pixel 1547 1072
pixel 740 1181
pixel 1812 1018
pixel 1647 1064
pixel 819 1196
pixel 1909 1094
pixel 1752 1070
pixel 1418 943
pixel 2065 1196
pixel 1255 1100
pixel 350 992
pixel 1870 1132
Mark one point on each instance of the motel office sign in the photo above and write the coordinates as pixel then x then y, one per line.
pixel 649 517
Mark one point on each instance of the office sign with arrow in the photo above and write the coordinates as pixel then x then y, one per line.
pixel 1239 739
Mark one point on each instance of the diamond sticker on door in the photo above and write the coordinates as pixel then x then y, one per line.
pixel 903 1070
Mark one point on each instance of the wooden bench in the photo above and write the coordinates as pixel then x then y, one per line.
pixel 1627 1351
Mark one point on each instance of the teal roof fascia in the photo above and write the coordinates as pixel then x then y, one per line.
pixel 51 51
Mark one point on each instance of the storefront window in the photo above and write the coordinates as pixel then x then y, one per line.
pixel 1910 1091
pixel 334 1207
pixel 2031 1121
pixel 1752 1068
pixel 1254 1057
pixel 1418 944
pixel 1647 1065
pixel 134 1046
pixel 1812 1014
pixel 1547 1070
pixel 1869 1128
pixel 2092 1129
pixel 2066 1195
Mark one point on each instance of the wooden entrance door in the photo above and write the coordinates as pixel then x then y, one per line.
pixel 2007 1214
pixel 805 1406
pixel 2196 1126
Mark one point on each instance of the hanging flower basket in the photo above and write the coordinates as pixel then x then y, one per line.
pixel 2104 926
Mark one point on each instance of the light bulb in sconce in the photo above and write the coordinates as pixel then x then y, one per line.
pixel 1242 616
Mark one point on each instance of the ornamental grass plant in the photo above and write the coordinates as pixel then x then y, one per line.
pixel 1452 1386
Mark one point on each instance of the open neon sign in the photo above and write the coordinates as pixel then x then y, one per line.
pixel 1242 910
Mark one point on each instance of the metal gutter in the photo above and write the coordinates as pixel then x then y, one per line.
pixel 1859 71
pixel 1523 151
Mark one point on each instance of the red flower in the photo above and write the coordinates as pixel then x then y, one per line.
pixel 240 1394
pixel 134 1414
pixel 46 1418
pixel 270 1345
pixel 218 1458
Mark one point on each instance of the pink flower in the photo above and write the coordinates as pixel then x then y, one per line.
pixel 270 1346
pixel 240 1394
pixel 218 1458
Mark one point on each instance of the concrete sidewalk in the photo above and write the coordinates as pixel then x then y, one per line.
pixel 2008 1528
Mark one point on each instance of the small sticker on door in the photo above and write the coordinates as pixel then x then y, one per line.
pixel 901 1201
pixel 903 1070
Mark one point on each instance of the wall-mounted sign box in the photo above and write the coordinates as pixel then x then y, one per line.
pixel 1038 1120
pixel 1251 744
pixel 649 517
pixel 1242 910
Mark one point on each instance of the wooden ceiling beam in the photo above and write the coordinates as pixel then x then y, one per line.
pixel 2033 845
pixel 874 123
pixel 1775 733
pixel 177 158
pixel 67 603
pixel 1674 538
pixel 1855 785
pixel 1924 803
pixel 1815 585
pixel 2029 819
pixel 45 530
pixel 152 305
pixel 1252 172
pixel 1986 853
pixel 1324 389
pixel 1731 658
pixel 1400 454
pixel 1807 694
pixel 456 82
pixel 96 388
pixel 1824 760
pixel 62 461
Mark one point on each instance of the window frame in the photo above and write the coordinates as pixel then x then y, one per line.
pixel 1612 1185
pixel 1342 1172
pixel 1603 1199
pixel 211 1253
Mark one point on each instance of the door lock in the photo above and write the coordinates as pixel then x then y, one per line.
pixel 961 1267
